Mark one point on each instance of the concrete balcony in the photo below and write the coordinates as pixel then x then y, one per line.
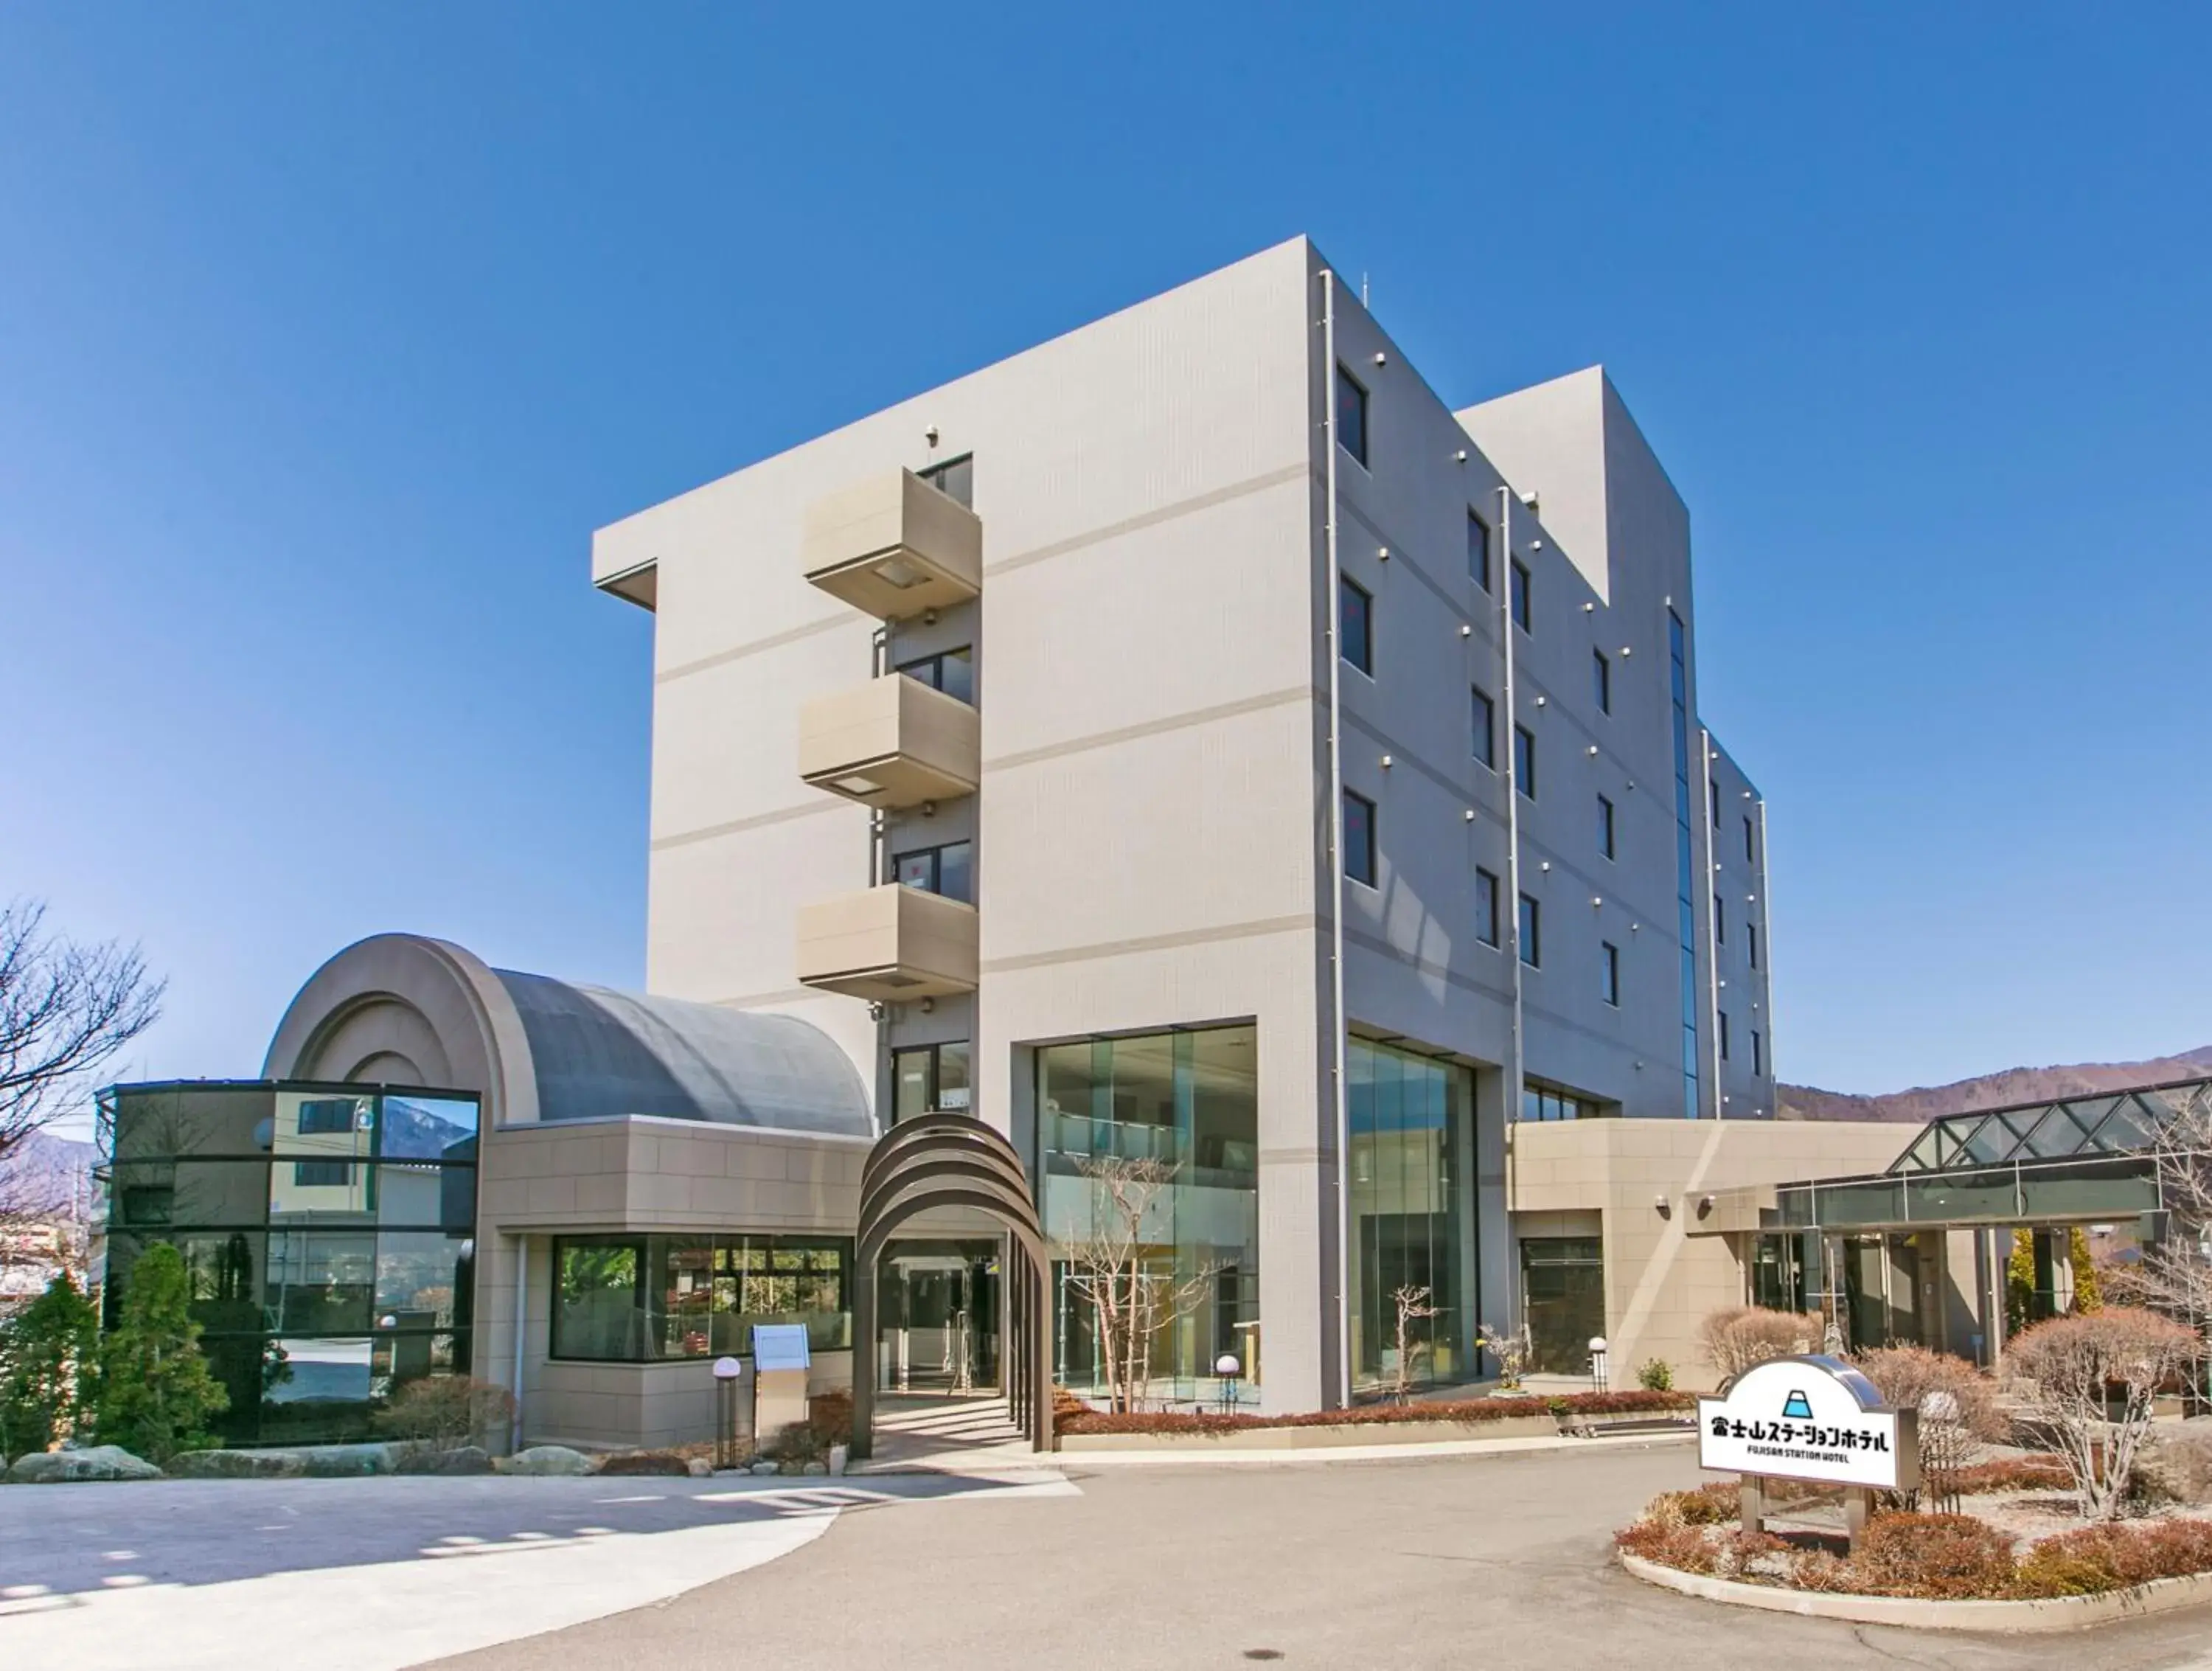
pixel 890 743
pixel 893 546
pixel 888 945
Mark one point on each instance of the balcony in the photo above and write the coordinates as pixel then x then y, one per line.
pixel 893 546
pixel 890 743
pixel 888 945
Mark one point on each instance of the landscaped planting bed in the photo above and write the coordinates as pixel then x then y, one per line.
pixel 1570 1407
pixel 1990 1554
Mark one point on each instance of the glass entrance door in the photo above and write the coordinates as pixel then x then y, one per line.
pixel 939 1329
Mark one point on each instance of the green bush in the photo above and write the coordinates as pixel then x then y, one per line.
pixel 49 1370
pixel 1656 1376
pixel 156 1391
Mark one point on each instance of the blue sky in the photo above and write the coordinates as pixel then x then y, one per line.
pixel 327 335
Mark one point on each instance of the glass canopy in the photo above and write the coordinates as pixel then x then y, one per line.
pixel 2120 1123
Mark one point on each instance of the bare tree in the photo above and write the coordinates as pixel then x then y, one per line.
pixel 1134 1291
pixel 2067 1369
pixel 1413 1308
pixel 65 1010
pixel 2174 1275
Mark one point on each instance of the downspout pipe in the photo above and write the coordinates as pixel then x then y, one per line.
pixel 1766 960
pixel 521 1327
pixel 1713 915
pixel 1341 1111
pixel 1516 1064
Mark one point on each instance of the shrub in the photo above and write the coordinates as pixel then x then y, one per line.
pixel 2012 1473
pixel 1713 1504
pixel 155 1389
pixel 1944 1558
pixel 1683 1548
pixel 448 1410
pixel 1958 1407
pixel 1656 1376
pixel 2112 1557
pixel 1083 1419
pixel 644 1462
pixel 829 1417
pixel 49 1370
pixel 1737 1337
pixel 2073 1364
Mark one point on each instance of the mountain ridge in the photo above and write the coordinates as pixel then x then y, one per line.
pixel 2004 1089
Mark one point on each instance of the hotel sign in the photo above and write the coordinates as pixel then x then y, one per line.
pixel 1810 1418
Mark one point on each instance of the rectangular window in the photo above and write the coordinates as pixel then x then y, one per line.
pixel 1358 838
pixel 1532 933
pixel 1605 827
pixel 1601 681
pixel 928 1077
pixel 1750 851
pixel 947 870
pixel 322 1173
pixel 1524 613
pixel 1717 808
pixel 1524 761
pixel 1541 1102
pixel 1724 1034
pixel 1351 415
pixel 1355 625
pixel 329 1117
pixel 1478 550
pixel 1751 942
pixel 637 1299
pixel 953 672
pixel 1758 1055
pixel 1720 921
pixel 955 478
pixel 1486 729
pixel 1609 973
pixel 1486 907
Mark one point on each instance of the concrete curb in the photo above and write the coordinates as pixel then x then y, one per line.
pixel 1366 1453
pixel 2058 1613
pixel 1335 1436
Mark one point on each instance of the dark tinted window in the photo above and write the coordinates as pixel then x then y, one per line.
pixel 1351 415
pixel 1486 730
pixel 1524 616
pixel 1478 550
pixel 1486 908
pixel 955 478
pixel 953 672
pixel 1609 973
pixel 1354 611
pixel 1524 761
pixel 1532 933
pixel 1605 827
pixel 1601 681
pixel 1358 838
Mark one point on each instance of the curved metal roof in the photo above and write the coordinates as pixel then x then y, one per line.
pixel 598 1052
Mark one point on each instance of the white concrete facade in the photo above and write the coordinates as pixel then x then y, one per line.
pixel 1164 717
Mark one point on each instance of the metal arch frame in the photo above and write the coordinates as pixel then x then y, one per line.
pixel 946 1159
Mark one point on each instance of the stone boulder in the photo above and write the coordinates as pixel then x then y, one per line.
pixel 55 1467
pixel 345 1461
pixel 554 1460
pixel 236 1465
pixel 463 1458
pixel 2175 1463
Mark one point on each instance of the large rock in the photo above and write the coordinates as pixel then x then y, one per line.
pixel 344 1461
pixel 2176 1461
pixel 236 1465
pixel 55 1467
pixel 549 1459
pixel 464 1459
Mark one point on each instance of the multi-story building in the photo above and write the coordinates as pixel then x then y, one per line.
pixel 1188 741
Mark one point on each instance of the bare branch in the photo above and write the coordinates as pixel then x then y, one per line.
pixel 65 1009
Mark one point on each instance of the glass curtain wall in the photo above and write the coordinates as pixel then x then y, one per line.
pixel 644 1299
pixel 1189 1102
pixel 1408 1116
pixel 327 1232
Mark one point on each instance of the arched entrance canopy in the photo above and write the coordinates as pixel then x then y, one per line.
pixel 938 1160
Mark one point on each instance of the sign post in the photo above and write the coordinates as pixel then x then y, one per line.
pixel 1815 1418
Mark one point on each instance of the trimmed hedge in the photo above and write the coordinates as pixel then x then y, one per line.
pixel 1081 1421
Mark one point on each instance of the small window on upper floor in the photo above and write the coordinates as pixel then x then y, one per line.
pixel 953 672
pixel 1601 681
pixel 1724 1034
pixel 1605 828
pixel 1355 624
pixel 947 870
pixel 1359 837
pixel 955 478
pixel 1532 933
pixel 1720 921
pixel 1478 550
pixel 1717 808
pixel 1486 729
pixel 1524 761
pixel 1750 847
pixel 1751 942
pixel 1608 973
pixel 1524 612
pixel 1351 415
pixel 1486 907
pixel 1758 1055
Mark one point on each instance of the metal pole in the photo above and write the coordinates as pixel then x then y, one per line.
pixel 1342 1110
pixel 1712 915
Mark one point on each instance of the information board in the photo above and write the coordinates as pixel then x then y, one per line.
pixel 1812 1417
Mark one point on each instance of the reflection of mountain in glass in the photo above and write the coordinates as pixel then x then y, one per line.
pixel 429 1128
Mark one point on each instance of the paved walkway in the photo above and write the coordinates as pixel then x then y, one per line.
pixel 1497 1560
pixel 372 1574
pixel 958 1435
